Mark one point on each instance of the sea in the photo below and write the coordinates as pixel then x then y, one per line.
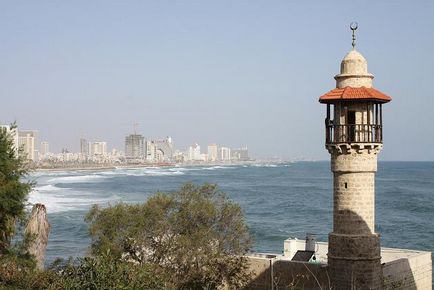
pixel 279 200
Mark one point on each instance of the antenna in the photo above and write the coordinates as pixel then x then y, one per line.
pixel 353 27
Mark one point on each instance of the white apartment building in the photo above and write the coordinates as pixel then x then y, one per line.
pixel 98 148
pixel 44 150
pixel 27 141
pixel 212 152
pixel 224 154
pixel 194 152
pixel 151 149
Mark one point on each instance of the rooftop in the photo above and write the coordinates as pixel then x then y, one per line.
pixel 350 93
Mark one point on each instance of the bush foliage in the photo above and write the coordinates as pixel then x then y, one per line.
pixel 92 273
pixel 195 235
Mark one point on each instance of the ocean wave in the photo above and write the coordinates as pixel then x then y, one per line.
pixel 145 171
pixel 48 187
pixel 266 165
pixel 67 201
pixel 155 172
pixel 218 167
pixel 184 169
pixel 75 178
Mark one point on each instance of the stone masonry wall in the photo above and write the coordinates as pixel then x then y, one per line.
pixel 355 82
pixel 354 203
pixel 353 161
pixel 354 248
pixel 354 192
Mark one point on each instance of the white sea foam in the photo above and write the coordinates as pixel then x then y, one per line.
pixel 48 187
pixel 63 199
pixel 182 169
pixel 144 171
pixel 265 165
pixel 49 173
pixel 217 167
pixel 117 171
pixel 75 178
pixel 154 172
pixel 162 173
pixel 191 168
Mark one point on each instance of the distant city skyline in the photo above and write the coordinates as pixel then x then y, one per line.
pixel 138 150
pixel 244 72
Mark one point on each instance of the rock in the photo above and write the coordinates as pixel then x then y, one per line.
pixel 39 228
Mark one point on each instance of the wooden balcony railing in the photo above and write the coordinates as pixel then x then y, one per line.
pixel 354 134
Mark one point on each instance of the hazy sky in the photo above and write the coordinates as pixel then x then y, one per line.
pixel 230 72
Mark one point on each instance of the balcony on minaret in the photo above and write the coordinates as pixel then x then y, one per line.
pixel 354 115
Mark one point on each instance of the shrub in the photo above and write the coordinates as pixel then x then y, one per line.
pixel 196 235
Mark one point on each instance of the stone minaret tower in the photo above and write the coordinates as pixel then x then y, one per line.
pixel 354 138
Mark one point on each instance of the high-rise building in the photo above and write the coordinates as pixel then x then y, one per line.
pixel 27 141
pixel 135 146
pixel 45 149
pixel 98 148
pixel 84 147
pixel 241 154
pixel 150 151
pixel 163 149
pixel 224 154
pixel 212 152
pixel 194 152
pixel 354 138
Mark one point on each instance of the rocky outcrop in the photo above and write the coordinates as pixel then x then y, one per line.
pixel 38 228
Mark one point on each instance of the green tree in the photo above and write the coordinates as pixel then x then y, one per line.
pixel 13 189
pixel 195 235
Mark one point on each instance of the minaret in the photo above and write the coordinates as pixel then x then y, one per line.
pixel 354 137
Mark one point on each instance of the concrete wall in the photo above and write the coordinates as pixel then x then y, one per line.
pixel 279 274
pixel 414 272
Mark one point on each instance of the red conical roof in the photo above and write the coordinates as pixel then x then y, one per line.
pixel 354 94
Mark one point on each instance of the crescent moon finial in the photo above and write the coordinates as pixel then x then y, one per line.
pixel 353 27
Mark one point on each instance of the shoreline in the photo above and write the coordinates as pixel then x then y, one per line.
pixel 97 168
pixel 133 166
